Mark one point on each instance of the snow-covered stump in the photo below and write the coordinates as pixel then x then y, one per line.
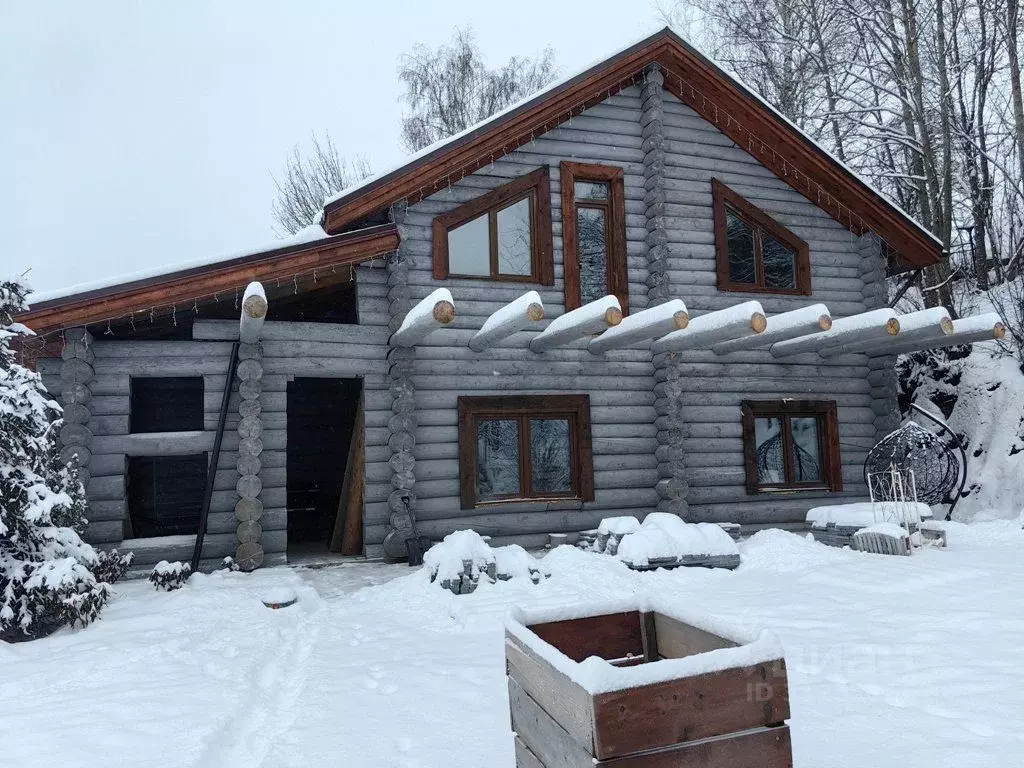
pixel 463 560
pixel 249 506
pixel 646 685
pixel 76 377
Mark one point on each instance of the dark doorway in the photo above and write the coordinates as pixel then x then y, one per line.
pixel 321 417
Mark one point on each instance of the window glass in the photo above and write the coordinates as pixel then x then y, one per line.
pixel 779 263
pixel 515 251
pixel 498 459
pixel 806 450
pixel 550 452
pixel 165 495
pixel 591 233
pixel 591 190
pixel 771 466
pixel 469 250
pixel 742 261
pixel 166 404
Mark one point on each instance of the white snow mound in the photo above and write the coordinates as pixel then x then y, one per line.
pixel 865 513
pixel 663 535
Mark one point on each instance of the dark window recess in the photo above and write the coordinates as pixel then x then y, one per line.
pixel 166 404
pixel 791 445
pixel 165 494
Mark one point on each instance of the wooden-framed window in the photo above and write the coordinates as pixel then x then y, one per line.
pixel 754 252
pixel 522 448
pixel 594 234
pixel 502 235
pixel 165 403
pixel 791 445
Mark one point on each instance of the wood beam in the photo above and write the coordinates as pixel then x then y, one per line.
pixel 254 312
pixel 713 327
pixel 876 324
pixel 511 318
pixel 431 313
pixel 641 326
pixel 590 319
pixel 930 323
pixel 788 325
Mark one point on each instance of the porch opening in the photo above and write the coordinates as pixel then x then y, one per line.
pixel 322 425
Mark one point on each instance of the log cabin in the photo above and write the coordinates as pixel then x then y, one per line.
pixel 640 289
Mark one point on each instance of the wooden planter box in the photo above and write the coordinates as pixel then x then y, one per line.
pixel 660 700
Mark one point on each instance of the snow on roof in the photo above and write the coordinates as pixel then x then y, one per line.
pixel 309 234
pixel 441 144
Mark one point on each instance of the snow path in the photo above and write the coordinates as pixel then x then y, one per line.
pixel 904 662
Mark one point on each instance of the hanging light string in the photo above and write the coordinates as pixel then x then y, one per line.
pixel 315 274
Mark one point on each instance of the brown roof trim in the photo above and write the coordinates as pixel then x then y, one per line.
pixel 851 202
pixel 121 300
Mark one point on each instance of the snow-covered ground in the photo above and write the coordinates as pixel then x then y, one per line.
pixel 900 662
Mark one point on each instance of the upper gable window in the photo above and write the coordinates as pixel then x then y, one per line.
pixel 593 234
pixel 502 235
pixel 754 252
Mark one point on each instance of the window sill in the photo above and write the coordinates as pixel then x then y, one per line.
pixel 801 489
pixel 739 288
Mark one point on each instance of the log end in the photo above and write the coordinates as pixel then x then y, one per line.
pixel 535 312
pixel 998 331
pixel 681 319
pixel 444 312
pixel 946 326
pixel 825 322
pixel 758 322
pixel 892 327
pixel 255 306
pixel 613 316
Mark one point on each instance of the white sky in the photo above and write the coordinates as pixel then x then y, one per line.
pixel 134 134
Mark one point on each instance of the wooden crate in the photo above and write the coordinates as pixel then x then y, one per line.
pixel 637 713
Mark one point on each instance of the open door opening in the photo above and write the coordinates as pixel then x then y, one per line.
pixel 323 427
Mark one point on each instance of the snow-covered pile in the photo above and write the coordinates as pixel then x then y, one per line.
pixel 463 559
pixel 663 538
pixel 169 576
pixel 865 513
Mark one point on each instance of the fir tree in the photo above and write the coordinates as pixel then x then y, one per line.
pixel 49 577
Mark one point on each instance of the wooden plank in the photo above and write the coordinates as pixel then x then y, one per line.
pixel 676 639
pixel 541 734
pixel 663 714
pixel 348 531
pixel 760 748
pixel 612 636
pixel 565 701
pixel 525 757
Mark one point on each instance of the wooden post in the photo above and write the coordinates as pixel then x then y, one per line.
pixel 590 319
pixel 511 318
pixel 431 313
pixel 648 324
pixel 249 507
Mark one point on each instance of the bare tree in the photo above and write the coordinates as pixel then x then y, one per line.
pixel 310 178
pixel 449 88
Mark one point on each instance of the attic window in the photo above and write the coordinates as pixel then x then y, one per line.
pixel 502 235
pixel 166 404
pixel 594 234
pixel 754 252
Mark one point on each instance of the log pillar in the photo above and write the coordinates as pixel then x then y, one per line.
pixel 76 377
pixel 671 485
pixel 249 506
pixel 402 424
pixel 884 382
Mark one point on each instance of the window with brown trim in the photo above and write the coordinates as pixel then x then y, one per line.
pixel 502 235
pixel 523 448
pixel 594 234
pixel 753 251
pixel 791 445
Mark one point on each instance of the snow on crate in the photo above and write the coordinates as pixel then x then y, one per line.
pixel 664 541
pixel 865 513
pixel 463 559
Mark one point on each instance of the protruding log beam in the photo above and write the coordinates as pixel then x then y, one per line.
pixel 876 324
pixel 431 313
pixel 788 325
pixel 714 327
pixel 595 317
pixel 932 323
pixel 511 318
pixel 968 330
pixel 648 324
pixel 254 312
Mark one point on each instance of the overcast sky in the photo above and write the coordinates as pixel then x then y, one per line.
pixel 140 134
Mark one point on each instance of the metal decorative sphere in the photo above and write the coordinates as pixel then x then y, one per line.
pixel 936 468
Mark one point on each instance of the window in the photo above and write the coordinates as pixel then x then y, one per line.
pixel 165 494
pixel 594 234
pixel 166 404
pixel 503 235
pixel 522 448
pixel 791 445
pixel 755 253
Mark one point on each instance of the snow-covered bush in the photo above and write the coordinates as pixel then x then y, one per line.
pixel 229 564
pixel 170 576
pixel 49 577
pixel 464 559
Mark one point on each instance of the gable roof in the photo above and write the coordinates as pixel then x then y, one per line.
pixel 695 80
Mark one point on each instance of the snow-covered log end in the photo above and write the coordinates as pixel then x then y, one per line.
pixel 170 576
pixel 464 560
pixel 434 311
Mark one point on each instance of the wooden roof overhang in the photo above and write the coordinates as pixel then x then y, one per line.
pixel 699 83
pixel 117 301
